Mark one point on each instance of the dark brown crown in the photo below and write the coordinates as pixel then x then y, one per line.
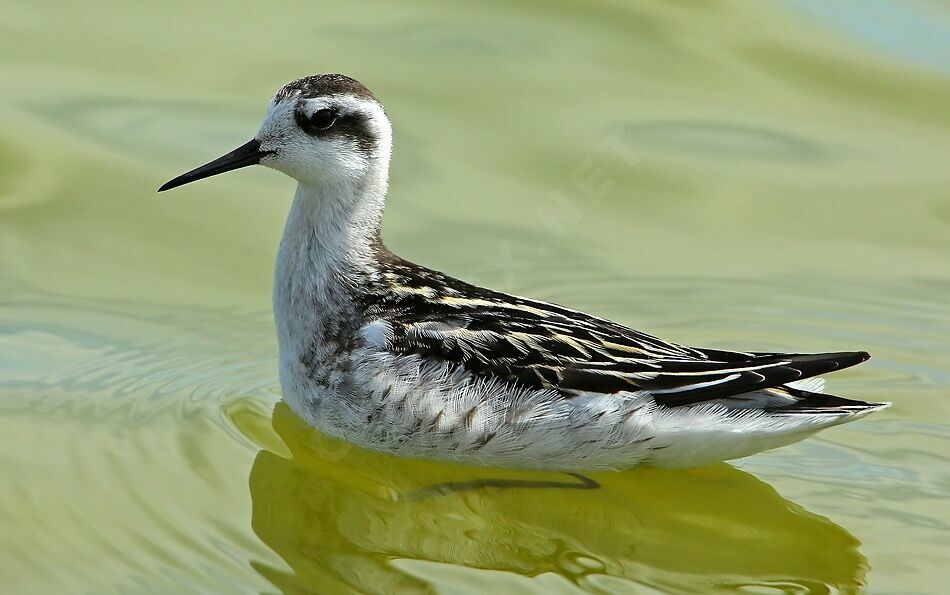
pixel 325 85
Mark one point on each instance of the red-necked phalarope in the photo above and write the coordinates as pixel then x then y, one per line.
pixel 396 357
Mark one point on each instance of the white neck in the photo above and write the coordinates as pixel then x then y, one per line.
pixel 334 224
pixel 326 255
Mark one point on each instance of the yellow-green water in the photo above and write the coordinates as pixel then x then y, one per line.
pixel 769 175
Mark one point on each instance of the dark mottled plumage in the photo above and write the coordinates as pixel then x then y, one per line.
pixel 539 345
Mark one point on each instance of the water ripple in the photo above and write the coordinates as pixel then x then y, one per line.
pixel 98 359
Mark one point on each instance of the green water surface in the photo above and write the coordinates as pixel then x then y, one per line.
pixel 751 175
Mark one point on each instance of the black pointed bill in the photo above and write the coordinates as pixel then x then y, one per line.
pixel 247 154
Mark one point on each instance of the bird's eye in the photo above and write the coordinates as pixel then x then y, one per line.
pixel 323 118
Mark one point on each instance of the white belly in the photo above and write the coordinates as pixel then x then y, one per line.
pixel 400 405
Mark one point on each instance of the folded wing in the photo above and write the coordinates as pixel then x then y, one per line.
pixel 540 345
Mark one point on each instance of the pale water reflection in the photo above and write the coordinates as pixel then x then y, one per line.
pixel 335 515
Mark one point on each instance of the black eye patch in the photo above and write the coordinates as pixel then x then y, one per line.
pixel 329 122
pixel 319 121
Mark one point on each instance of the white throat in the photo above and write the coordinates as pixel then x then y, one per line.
pixel 327 255
pixel 333 223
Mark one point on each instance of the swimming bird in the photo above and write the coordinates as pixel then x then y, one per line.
pixel 396 357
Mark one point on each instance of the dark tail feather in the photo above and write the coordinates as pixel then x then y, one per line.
pixel 809 402
pixel 794 367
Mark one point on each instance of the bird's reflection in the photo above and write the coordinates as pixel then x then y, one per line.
pixel 336 514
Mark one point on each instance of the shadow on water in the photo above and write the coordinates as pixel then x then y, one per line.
pixel 336 514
